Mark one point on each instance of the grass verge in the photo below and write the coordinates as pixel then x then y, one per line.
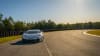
pixel 94 32
pixel 6 39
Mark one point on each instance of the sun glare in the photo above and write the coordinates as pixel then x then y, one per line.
pixel 79 1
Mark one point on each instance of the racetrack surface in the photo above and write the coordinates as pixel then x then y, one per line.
pixel 57 43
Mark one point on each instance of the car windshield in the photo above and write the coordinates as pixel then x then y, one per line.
pixel 31 32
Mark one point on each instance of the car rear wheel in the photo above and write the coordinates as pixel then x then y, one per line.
pixel 23 40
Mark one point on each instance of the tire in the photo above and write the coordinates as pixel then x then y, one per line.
pixel 23 40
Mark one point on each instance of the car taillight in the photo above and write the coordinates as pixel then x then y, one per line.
pixel 39 35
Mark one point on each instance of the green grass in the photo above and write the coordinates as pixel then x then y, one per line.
pixel 6 39
pixel 94 32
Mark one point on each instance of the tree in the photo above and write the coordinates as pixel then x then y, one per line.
pixel 8 25
pixel 1 16
pixel 30 25
pixel 1 23
pixel 51 24
pixel 11 20
pixel 60 26
pixel 96 25
pixel 19 26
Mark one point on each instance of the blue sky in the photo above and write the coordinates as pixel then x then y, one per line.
pixel 60 11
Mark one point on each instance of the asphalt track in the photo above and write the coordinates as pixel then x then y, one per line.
pixel 57 43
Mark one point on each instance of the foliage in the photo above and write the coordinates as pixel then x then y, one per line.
pixel 8 24
pixel 19 26
pixel 6 39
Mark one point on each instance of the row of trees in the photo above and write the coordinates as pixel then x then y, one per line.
pixel 8 24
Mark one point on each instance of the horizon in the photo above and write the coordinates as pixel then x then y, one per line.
pixel 60 11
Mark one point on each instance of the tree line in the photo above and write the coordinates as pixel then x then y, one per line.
pixel 8 24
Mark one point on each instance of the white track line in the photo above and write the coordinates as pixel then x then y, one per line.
pixel 48 50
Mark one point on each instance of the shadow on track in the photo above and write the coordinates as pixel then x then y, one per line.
pixel 20 42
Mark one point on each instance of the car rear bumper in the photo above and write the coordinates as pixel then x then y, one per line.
pixel 33 40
